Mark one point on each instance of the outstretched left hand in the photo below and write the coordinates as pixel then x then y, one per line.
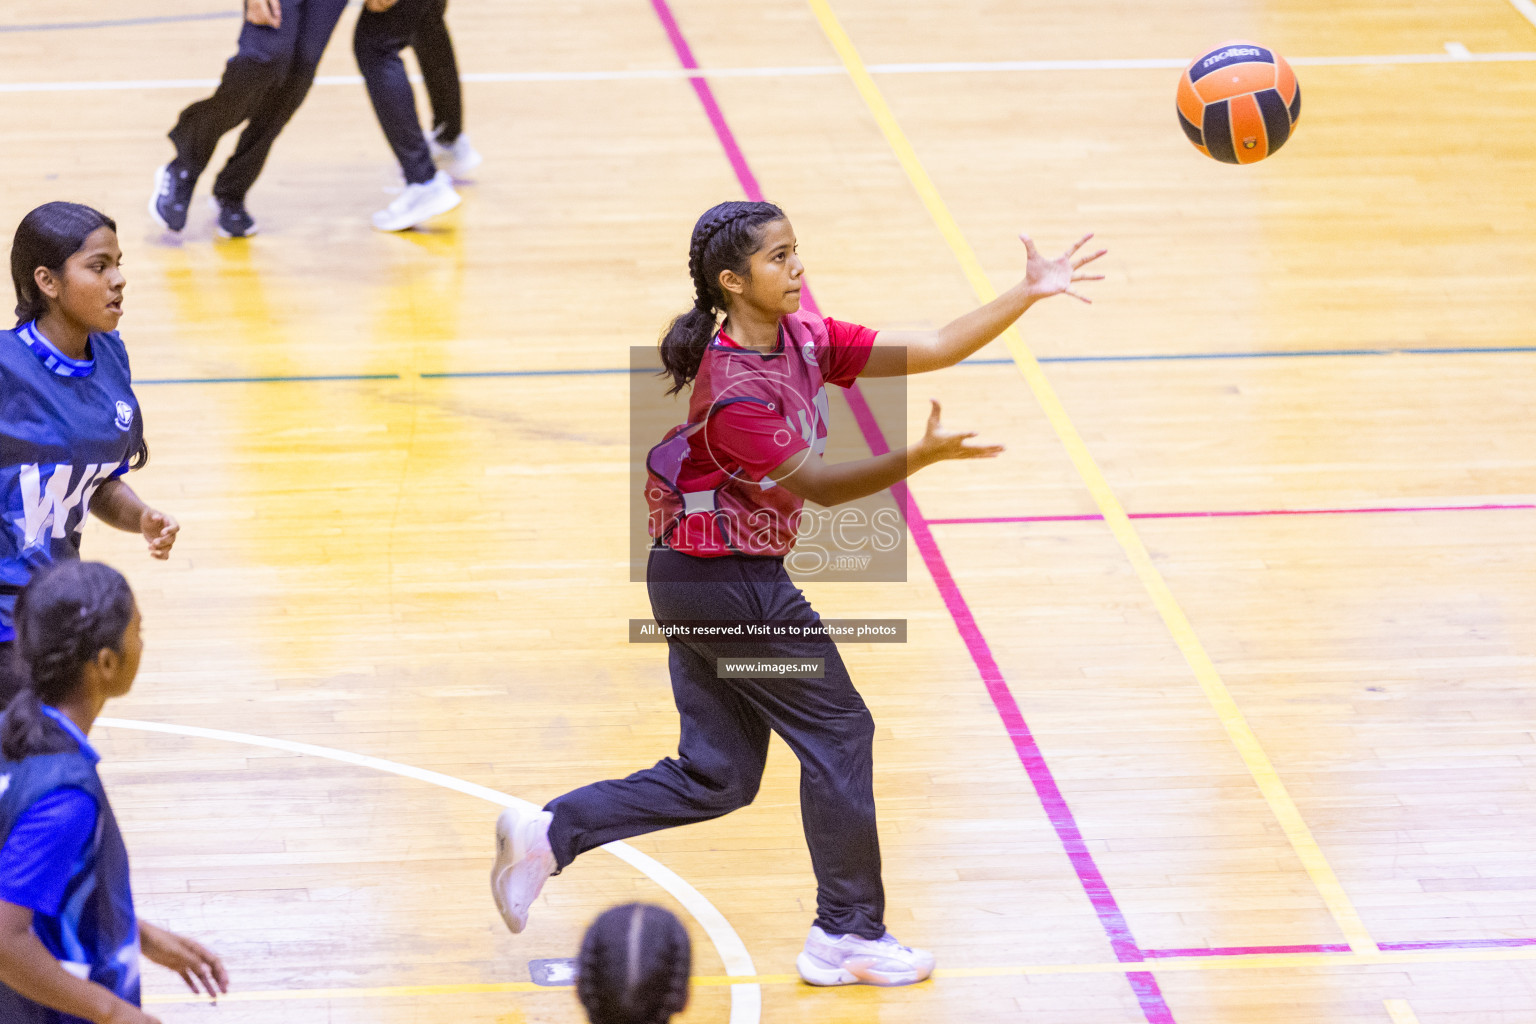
pixel 1044 278
pixel 160 531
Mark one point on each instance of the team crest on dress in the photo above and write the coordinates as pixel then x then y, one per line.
pixel 808 351
pixel 124 415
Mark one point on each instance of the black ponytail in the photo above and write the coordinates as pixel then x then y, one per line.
pixel 65 617
pixel 47 237
pixel 723 239
pixel 634 966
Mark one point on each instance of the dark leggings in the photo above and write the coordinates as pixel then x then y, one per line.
pixel 377 43
pixel 264 83
pixel 724 744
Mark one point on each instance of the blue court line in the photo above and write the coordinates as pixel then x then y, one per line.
pixel 268 380
pixel 163 19
pixel 529 373
pixel 1153 358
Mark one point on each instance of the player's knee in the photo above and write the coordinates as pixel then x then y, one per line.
pixel 727 792
pixel 860 727
pixel 258 72
pixel 372 52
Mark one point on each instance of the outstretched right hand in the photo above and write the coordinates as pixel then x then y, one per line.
pixel 264 12
pixel 939 444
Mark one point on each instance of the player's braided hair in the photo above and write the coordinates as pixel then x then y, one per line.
pixel 723 239
pixel 634 966
pixel 65 617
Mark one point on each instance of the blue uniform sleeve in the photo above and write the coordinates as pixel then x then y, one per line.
pixel 41 851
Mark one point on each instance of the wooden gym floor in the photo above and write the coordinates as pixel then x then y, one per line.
pixel 1261 752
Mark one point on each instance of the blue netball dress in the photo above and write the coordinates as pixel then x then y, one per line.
pixel 67 426
pixel 80 898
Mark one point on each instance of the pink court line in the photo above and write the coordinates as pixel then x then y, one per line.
pixel 1242 513
pixel 1336 947
pixel 1148 994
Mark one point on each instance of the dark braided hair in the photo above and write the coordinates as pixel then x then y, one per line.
pixel 65 617
pixel 634 966
pixel 723 239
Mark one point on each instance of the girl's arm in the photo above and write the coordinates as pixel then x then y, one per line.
pixel 901 352
pixel 116 505
pixel 28 969
pixel 806 475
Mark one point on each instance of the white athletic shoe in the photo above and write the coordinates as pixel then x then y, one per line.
pixel 524 862
pixel 457 159
pixel 418 204
pixel 850 960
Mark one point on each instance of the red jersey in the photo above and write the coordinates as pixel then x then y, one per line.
pixel 707 486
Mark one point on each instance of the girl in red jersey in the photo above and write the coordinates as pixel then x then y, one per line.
pixel 725 492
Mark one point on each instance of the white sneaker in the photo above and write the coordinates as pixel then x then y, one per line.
pixel 850 960
pixel 418 204
pixel 524 862
pixel 458 159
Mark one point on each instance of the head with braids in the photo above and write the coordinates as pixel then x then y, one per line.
pixel 634 966
pixel 77 633
pixel 724 241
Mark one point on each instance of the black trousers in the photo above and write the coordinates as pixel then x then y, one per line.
pixel 377 43
pixel 264 84
pixel 724 744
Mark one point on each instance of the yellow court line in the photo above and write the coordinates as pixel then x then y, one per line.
pixel 1237 727
pixel 1179 965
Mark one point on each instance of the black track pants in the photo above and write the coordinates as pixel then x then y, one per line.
pixel 724 744
pixel 264 83
pixel 377 43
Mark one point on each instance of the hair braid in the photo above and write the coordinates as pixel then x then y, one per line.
pixel 706 293
pixel 634 966
pixel 724 238
pixel 65 617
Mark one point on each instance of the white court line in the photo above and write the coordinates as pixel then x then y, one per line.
pixel 1527 8
pixel 746 1000
pixel 812 70
pixel 1400 1012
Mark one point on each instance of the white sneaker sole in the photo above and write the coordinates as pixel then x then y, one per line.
pixel 420 215
pixel 513 832
pixel 854 972
pixel 154 197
